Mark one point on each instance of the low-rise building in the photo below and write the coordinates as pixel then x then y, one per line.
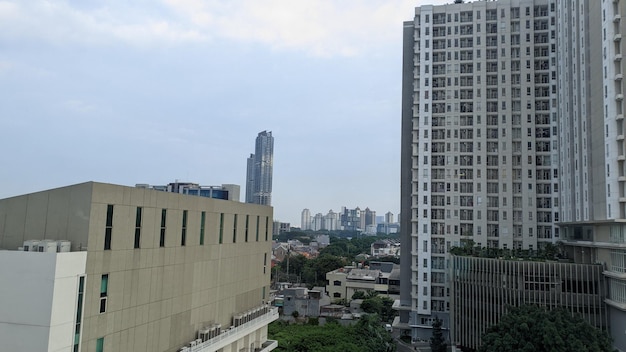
pixel 305 302
pixel 382 277
pixel 137 270
pixel 483 288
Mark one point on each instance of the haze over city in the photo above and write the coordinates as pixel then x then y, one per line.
pixel 152 92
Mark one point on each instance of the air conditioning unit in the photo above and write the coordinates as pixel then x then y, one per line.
pixel 64 246
pixel 204 335
pixel 184 349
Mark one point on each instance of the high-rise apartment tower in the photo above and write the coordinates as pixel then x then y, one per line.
pixel 480 141
pixel 259 170
pixel 592 152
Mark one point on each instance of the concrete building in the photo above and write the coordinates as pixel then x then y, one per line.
pixel 260 166
pixel 484 288
pixel 306 302
pixel 388 217
pixel 305 220
pixel 382 277
pixel 146 271
pixel 592 150
pixel 480 140
pixel 225 191
pixel 280 227
pixel 331 221
pixel 317 223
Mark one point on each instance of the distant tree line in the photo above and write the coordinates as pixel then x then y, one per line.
pixel 312 272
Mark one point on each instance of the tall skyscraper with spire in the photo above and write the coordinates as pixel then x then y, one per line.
pixel 259 170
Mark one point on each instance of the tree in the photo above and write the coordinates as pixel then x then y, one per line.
pixel 533 328
pixel 437 341
pixel 367 335
pixel 358 295
pixel 380 305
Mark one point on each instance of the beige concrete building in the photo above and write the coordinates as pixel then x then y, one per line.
pixel 164 271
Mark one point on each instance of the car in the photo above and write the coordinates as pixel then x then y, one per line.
pixel 388 327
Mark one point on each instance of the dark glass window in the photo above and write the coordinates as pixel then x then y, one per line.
pixel 163 222
pixel 247 224
pixel 202 221
pixel 183 233
pixel 108 231
pixel 138 227
pixel 221 239
pixel 234 228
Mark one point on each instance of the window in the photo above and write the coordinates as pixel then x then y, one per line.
pixel 267 227
pixel 79 312
pixel 162 234
pixel 108 230
pixel 138 227
pixel 183 230
pixel 202 222
pixel 221 239
pixel 234 228
pixel 257 227
pixel 104 290
pixel 100 345
pixel 247 223
pixel 336 283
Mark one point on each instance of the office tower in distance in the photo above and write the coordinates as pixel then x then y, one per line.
pixel 259 170
pixel 389 217
pixel 305 219
pixel 479 141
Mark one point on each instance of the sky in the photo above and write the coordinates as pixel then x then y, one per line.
pixel 152 91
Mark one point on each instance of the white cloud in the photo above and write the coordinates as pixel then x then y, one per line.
pixel 58 22
pixel 316 27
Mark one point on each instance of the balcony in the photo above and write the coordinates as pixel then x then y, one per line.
pixel 233 334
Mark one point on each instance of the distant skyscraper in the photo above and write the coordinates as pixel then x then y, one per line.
pixel 389 217
pixel 305 221
pixel 259 170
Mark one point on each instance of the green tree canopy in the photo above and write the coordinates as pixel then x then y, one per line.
pixel 368 335
pixel 533 328
pixel 380 305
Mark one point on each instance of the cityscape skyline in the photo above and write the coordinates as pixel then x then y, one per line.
pixel 153 92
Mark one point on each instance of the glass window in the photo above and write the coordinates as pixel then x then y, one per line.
pixel 108 231
pixel 162 233
pixel 100 345
pixel 138 227
pixel 202 222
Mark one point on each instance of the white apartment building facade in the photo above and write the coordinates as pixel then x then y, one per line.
pixel 479 141
pixel 592 152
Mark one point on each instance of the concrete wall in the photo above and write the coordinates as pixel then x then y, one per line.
pixel 38 299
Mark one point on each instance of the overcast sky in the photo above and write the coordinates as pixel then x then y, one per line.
pixel 155 91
